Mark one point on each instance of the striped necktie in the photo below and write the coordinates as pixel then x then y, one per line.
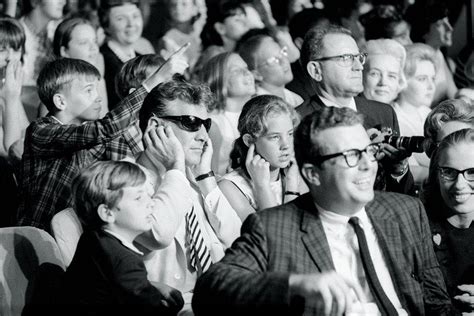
pixel 200 257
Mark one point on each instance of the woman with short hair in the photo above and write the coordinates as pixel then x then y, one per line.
pixel 449 202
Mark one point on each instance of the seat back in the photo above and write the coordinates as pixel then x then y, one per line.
pixel 27 254
pixel 67 230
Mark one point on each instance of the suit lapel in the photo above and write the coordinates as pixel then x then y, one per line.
pixel 313 235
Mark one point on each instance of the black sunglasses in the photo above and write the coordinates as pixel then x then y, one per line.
pixel 189 122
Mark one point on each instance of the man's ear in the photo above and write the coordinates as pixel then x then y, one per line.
pixel 248 139
pixel 154 122
pixel 220 28
pixel 311 174
pixel 314 70
pixel 59 101
pixel 106 214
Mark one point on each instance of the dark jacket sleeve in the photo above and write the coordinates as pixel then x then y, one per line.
pixel 435 295
pixel 240 284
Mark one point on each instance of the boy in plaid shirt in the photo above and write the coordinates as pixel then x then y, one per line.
pixel 72 137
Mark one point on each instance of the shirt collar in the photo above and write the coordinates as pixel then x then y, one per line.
pixel 57 120
pixel 327 102
pixel 332 218
pixel 124 242
pixel 124 56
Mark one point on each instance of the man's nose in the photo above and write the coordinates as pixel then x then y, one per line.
pixel 202 134
pixel 357 65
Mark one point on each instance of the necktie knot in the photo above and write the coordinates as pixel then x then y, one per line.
pixel 354 221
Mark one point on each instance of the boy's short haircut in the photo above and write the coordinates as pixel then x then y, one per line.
pixel 12 34
pixel 58 75
pixel 102 183
pixel 135 71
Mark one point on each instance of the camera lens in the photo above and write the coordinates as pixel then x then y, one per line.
pixel 414 144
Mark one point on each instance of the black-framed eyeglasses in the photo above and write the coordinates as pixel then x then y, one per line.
pixel 345 60
pixel 189 123
pixel 451 174
pixel 352 156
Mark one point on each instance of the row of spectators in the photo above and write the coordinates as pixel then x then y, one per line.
pixel 205 107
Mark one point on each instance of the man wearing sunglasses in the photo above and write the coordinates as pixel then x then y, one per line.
pixel 174 118
pixel 333 61
pixel 341 249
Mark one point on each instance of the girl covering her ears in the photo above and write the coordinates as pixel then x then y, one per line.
pixel 265 173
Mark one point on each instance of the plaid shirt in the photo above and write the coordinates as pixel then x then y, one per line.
pixel 54 153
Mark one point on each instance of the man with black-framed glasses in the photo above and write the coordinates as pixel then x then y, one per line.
pixel 334 62
pixel 175 122
pixel 341 249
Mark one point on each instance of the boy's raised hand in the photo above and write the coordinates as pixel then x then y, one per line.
pixel 176 63
pixel 257 167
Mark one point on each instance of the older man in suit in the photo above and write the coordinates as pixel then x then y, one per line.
pixel 332 59
pixel 330 251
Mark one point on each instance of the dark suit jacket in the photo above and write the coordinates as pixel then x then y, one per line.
pixel 376 115
pixel 105 274
pixel 253 276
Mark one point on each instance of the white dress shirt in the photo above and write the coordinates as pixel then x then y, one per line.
pixel 219 224
pixel 344 249
pixel 327 102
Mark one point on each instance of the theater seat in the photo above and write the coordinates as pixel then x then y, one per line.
pixel 31 270
pixel 67 230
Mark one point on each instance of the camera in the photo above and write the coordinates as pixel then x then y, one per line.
pixel 413 144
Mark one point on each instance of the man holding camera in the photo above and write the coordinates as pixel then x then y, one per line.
pixel 333 60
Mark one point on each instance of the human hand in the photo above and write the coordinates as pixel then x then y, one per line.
pixel 467 298
pixel 328 290
pixel 257 167
pixel 176 63
pixel 204 165
pixel 13 80
pixel 292 176
pixel 162 146
pixel 171 297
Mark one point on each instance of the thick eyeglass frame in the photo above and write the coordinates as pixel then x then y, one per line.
pixel 345 60
pixel 189 123
pixel 275 60
pixel 443 172
pixel 348 154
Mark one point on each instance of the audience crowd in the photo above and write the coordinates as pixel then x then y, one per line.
pixel 243 157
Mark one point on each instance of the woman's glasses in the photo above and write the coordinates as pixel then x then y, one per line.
pixel 451 174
